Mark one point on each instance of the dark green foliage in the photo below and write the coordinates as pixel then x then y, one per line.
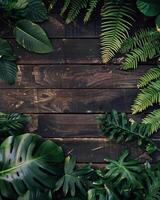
pixel 36 195
pixel 32 38
pixel 28 162
pixel 149 85
pixel 12 124
pixel 73 179
pixel 141 47
pixel 114 28
pixel 117 126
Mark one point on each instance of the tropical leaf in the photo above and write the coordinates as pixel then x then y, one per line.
pixel 152 75
pixel 8 71
pixel 140 47
pixel 149 8
pixel 12 124
pixel 117 126
pixel 73 179
pixel 92 5
pixel 28 162
pixel 32 37
pixel 147 97
pixel 35 11
pixel 124 173
pixel 36 195
pixel 153 119
pixel 75 8
pixel 117 20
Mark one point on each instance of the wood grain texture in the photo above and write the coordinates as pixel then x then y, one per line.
pixel 71 125
pixel 75 76
pixel 84 100
pixel 95 150
pixel 18 100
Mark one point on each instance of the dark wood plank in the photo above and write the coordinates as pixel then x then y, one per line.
pixel 18 100
pixel 84 100
pixel 75 76
pixel 68 125
pixel 95 150
pixel 82 51
pixel 71 125
pixel 66 100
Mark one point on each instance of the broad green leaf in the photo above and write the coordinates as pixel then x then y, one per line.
pixel 5 48
pixel 148 8
pixel 28 162
pixel 36 195
pixel 8 71
pixel 35 11
pixel 32 37
pixel 20 4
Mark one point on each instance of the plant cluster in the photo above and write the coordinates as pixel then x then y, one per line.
pixel 33 168
pixel 21 17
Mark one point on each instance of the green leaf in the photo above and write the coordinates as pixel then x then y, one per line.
pixel 117 19
pixel 32 37
pixel 118 127
pixel 8 71
pixel 12 124
pixel 122 173
pixel 35 11
pixel 5 48
pixel 148 8
pixel 73 179
pixel 36 195
pixel 28 162
pixel 14 4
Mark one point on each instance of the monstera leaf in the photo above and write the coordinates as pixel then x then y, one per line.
pixel 32 37
pixel 149 7
pixel 36 195
pixel 28 162
pixel 73 179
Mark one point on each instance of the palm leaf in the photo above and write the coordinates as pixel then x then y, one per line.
pixel 117 20
pixel 28 162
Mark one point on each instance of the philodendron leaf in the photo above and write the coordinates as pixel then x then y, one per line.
pixel 28 162
pixel 149 8
pixel 36 195
pixel 32 37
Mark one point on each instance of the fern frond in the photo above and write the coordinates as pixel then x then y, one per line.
pixel 117 20
pixel 139 39
pixel 147 97
pixel 65 6
pixel 141 54
pixel 92 5
pixel 118 127
pixel 75 8
pixel 151 75
pixel 153 119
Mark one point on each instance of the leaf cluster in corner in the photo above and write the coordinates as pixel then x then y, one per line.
pixel 118 127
